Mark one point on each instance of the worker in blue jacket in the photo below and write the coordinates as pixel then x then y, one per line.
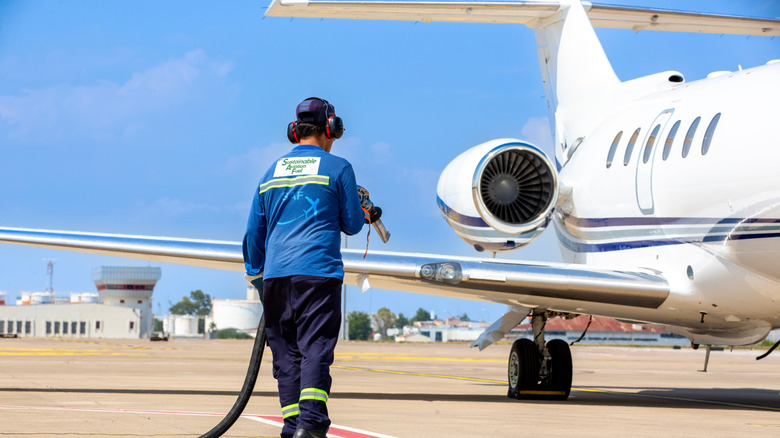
pixel 292 254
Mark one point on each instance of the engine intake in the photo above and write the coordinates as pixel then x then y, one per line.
pixel 514 186
pixel 499 195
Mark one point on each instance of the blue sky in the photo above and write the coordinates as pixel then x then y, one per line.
pixel 158 118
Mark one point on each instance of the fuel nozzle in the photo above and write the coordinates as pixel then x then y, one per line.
pixel 374 213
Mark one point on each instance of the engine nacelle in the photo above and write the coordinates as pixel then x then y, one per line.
pixel 499 195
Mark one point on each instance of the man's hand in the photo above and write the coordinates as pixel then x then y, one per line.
pixel 373 214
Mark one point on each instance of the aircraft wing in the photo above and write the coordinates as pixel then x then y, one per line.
pixel 551 285
pixel 526 12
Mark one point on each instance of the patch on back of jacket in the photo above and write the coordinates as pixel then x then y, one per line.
pixel 293 166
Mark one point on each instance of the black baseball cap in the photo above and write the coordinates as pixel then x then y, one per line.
pixel 314 110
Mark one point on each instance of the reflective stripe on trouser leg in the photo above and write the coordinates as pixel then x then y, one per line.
pixel 290 410
pixel 314 394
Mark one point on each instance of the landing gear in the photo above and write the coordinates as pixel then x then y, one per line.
pixel 539 370
pixel 523 368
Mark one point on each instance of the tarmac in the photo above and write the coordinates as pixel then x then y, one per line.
pixel 137 388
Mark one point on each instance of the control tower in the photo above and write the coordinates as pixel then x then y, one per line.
pixel 129 286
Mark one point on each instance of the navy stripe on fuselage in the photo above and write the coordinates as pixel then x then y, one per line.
pixel 642 221
pixel 460 218
pixel 577 245
pixel 644 240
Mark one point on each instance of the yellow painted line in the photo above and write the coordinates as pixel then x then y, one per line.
pixel 75 354
pixel 59 352
pixel 542 392
pixel 600 391
pixel 110 344
pixel 37 349
pixel 101 434
pixel 408 373
pixel 377 356
pixel 765 425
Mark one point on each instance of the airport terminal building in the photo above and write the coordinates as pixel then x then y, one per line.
pixel 121 308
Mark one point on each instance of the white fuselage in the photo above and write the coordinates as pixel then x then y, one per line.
pixel 709 223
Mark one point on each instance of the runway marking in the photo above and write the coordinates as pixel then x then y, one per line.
pixel 601 391
pixel 409 373
pixel 38 434
pixel 336 431
pixel 379 356
pixel 58 352
pixel 110 344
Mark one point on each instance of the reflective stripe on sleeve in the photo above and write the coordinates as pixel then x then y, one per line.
pixel 294 181
pixel 313 394
pixel 290 410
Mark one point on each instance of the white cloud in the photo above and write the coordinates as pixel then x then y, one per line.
pixel 537 131
pixel 174 208
pixel 108 109
pixel 255 161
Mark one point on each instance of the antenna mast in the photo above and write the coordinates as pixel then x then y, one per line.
pixel 50 276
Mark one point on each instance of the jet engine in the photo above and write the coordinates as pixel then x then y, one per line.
pixel 499 195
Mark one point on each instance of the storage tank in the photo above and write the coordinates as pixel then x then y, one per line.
pixel 41 298
pixel 185 325
pixel 237 314
pixel 252 294
pixel 84 297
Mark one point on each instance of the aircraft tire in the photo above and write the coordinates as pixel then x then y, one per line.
pixel 523 367
pixel 560 368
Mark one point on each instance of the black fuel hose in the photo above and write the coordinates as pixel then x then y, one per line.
pixel 246 390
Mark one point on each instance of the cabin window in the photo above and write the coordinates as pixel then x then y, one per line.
pixel 689 137
pixel 613 149
pixel 630 147
pixel 650 143
pixel 705 144
pixel 670 140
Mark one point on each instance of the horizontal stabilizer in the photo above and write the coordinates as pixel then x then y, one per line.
pixel 526 12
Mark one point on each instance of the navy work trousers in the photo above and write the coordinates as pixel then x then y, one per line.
pixel 302 319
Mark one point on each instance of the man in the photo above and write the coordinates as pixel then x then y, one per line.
pixel 292 254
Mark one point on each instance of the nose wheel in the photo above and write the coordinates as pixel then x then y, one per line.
pixel 539 373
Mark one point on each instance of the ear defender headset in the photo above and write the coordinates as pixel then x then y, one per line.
pixel 334 126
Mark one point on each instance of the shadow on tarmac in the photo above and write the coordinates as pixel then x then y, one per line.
pixel 690 398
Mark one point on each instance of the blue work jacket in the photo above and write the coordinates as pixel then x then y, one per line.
pixel 303 202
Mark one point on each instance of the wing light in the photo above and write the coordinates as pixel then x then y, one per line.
pixel 448 272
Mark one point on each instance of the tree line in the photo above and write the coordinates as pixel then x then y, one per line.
pixel 361 324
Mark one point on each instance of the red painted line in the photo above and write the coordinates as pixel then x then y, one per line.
pixel 335 431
